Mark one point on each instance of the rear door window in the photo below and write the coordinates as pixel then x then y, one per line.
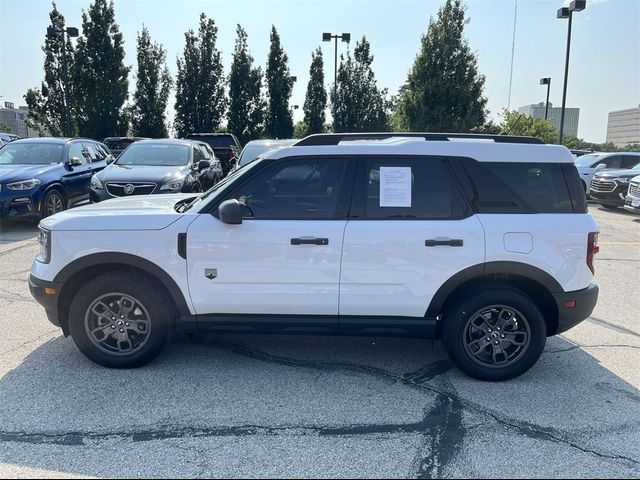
pixel 614 161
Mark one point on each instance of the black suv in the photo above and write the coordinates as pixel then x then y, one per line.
pixel 117 145
pixel 224 145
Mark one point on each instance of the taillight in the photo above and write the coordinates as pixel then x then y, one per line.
pixel 592 249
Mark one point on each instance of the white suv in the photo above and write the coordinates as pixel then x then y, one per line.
pixel 482 241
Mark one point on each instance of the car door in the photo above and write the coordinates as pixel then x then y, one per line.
pixel 77 177
pixel 409 231
pixel 284 259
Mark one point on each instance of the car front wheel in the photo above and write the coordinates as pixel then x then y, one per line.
pixel 494 334
pixel 120 320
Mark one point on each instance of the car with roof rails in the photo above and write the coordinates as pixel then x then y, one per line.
pixel 482 241
pixel 43 176
pixel 156 167
pixel 599 162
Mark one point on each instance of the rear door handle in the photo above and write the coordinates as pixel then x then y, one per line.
pixel 456 242
pixel 309 241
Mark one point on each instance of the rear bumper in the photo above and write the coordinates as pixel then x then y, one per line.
pixel 585 301
pixel 47 298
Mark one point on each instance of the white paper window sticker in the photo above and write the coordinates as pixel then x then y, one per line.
pixel 395 186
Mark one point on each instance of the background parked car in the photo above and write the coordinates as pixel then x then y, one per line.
pixel 117 145
pixel 156 166
pixel 43 176
pixel 225 145
pixel 609 188
pixel 7 137
pixel 255 148
pixel 589 164
pixel 632 202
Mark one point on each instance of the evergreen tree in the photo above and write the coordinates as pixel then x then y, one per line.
pixel 200 97
pixel 515 123
pixel 100 75
pixel 279 122
pixel 246 105
pixel 47 112
pixel 315 101
pixel 444 91
pixel 357 104
pixel 153 84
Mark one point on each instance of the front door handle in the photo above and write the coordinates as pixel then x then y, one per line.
pixel 456 242
pixel 309 241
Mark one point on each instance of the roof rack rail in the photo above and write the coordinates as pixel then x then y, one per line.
pixel 336 138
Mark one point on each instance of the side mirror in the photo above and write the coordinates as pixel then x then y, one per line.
pixel 203 165
pixel 230 211
pixel 600 166
pixel 110 160
pixel 74 162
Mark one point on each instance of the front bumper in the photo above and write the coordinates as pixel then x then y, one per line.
pixel 628 204
pixel 569 316
pixel 610 199
pixel 19 204
pixel 46 294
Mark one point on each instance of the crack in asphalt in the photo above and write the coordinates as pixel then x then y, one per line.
pixel 578 347
pixel 14 249
pixel 612 326
pixel 444 420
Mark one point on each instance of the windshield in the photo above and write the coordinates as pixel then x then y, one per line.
pixel 198 201
pixel 586 160
pixel 251 152
pixel 31 153
pixel 156 154
pixel 118 144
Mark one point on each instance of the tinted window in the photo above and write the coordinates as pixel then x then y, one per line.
pixel 215 141
pixel 119 144
pixel 629 161
pixel 295 189
pixel 94 154
pixel 611 162
pixel 500 187
pixel 77 150
pixel 164 154
pixel 416 188
pixel 197 154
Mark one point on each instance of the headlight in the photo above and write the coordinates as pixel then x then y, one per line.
pixel 176 185
pixel 621 180
pixel 44 239
pixel 96 184
pixel 24 185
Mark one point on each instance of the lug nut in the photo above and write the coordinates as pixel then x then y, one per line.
pixel 127 324
pixel 497 343
pixel 113 326
pixel 122 316
pixel 122 331
pixel 503 335
pixel 488 339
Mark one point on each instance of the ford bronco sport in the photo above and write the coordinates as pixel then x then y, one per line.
pixel 482 241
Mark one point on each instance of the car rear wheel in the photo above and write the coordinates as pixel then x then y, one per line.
pixel 120 320
pixel 494 334
pixel 53 203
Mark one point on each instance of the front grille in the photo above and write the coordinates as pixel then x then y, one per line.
pixel 122 189
pixel 603 185
pixel 634 189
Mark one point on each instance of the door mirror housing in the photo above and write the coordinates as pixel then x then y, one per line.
pixel 203 165
pixel 110 160
pixel 230 211
pixel 600 166
pixel 74 162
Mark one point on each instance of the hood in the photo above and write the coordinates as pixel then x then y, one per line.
pixel 15 173
pixel 141 173
pixel 628 173
pixel 148 212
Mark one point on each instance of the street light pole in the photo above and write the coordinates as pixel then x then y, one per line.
pixel 345 37
pixel 567 12
pixel 546 81
pixel 60 32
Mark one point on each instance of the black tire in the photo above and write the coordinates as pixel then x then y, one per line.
pixel 52 203
pixel 152 311
pixel 461 333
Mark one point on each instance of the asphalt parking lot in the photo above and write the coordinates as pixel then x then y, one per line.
pixel 280 406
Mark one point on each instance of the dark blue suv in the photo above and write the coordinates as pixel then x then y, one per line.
pixel 43 176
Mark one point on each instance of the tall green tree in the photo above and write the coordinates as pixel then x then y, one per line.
pixel 444 90
pixel 357 104
pixel 47 112
pixel 153 83
pixel 315 101
pixel 279 123
pixel 514 123
pixel 200 86
pixel 100 75
pixel 246 105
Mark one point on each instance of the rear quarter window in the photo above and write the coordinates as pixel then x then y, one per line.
pixel 522 187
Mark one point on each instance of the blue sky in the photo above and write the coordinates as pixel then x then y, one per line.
pixel 604 71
